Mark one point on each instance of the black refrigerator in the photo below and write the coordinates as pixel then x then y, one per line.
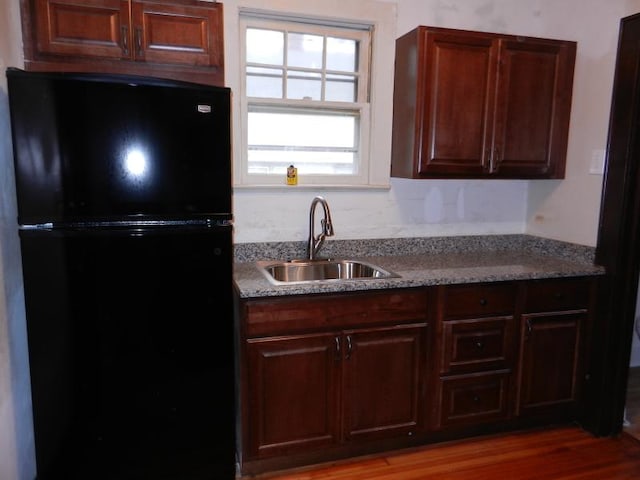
pixel 125 224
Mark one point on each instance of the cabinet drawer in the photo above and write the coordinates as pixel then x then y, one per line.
pixel 478 300
pixel 554 295
pixel 476 345
pixel 290 315
pixel 475 398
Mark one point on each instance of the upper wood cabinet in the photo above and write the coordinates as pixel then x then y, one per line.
pixel 480 105
pixel 180 39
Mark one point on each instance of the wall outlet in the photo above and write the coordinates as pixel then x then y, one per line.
pixel 597 162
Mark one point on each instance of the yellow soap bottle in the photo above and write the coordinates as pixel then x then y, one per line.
pixel 292 175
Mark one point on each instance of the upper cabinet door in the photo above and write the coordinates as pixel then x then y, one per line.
pixel 93 28
pixel 480 105
pixel 457 107
pixel 177 34
pixel 533 107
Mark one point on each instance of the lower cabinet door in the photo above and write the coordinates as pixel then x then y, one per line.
pixel 550 362
pixel 292 396
pixel 382 381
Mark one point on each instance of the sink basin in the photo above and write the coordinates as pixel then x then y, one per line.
pixel 305 271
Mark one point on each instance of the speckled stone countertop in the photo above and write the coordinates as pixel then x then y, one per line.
pixel 420 262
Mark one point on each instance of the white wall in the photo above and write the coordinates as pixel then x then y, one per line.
pixel 17 461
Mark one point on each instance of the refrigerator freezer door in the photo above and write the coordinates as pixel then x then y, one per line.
pixel 90 148
pixel 131 353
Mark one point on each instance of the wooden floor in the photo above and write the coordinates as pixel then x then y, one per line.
pixel 555 454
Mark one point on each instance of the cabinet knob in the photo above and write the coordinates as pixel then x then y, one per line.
pixel 483 301
pixel 479 345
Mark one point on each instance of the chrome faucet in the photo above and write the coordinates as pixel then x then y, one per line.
pixel 315 243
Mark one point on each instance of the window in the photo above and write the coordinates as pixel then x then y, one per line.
pixel 305 100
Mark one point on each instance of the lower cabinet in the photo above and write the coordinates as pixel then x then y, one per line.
pixel 310 391
pixel 476 364
pixel 309 386
pixel 329 376
pixel 553 346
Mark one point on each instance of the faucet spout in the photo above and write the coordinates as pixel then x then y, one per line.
pixel 315 242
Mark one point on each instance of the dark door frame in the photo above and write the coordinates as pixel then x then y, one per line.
pixel 618 245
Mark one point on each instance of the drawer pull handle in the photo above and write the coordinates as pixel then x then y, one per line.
pixel 483 301
pixel 337 340
pixel 349 346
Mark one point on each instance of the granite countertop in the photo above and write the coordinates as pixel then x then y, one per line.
pixel 421 262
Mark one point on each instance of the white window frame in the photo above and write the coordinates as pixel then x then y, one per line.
pixel 376 118
pixel 360 33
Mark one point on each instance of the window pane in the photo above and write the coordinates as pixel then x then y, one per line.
pixel 340 88
pixel 342 54
pixel 264 82
pixel 304 85
pixel 304 50
pixel 265 46
pixel 317 142
pixel 289 128
pixel 275 162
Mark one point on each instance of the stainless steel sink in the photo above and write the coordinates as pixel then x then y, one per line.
pixel 306 271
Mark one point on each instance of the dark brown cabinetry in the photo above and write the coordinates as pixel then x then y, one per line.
pixel 480 105
pixel 476 362
pixel 335 375
pixel 554 327
pixel 309 385
pixel 383 379
pixel 292 397
pixel 181 39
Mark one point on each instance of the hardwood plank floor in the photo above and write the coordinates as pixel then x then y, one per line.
pixel 565 453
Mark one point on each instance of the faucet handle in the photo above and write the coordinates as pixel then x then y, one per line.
pixel 327 227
